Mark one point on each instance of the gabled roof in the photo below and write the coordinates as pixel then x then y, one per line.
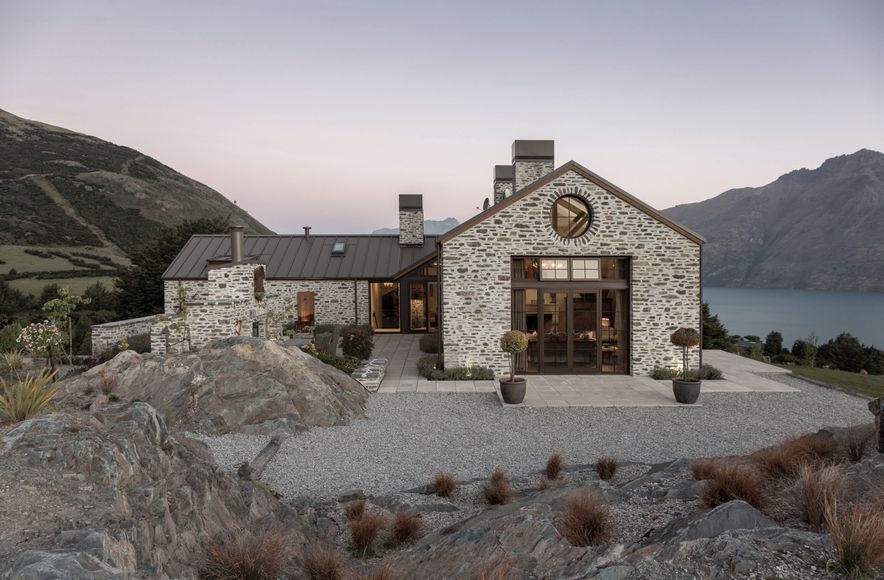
pixel 590 176
pixel 295 257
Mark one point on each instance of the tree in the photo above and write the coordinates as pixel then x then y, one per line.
pixel 140 287
pixel 804 351
pixel 845 353
pixel 14 306
pixel 715 335
pixel 59 310
pixel 773 344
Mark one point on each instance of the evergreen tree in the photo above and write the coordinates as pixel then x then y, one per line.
pixel 139 287
pixel 773 344
pixel 715 335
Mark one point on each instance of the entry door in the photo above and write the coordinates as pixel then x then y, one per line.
pixel 584 331
pixel 570 331
pixel 555 331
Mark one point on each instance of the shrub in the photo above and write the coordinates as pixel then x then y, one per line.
pixel 585 520
pixel 606 467
pixel 703 468
pixel 730 481
pixel 430 368
pixel 855 440
pixel 706 373
pixel 406 526
pixel 444 484
pixel 817 488
pixel 22 399
pixel 513 342
pixel 664 374
pixel 709 373
pixel 858 537
pixel 554 466
pixel 357 342
pixel 782 461
pixel 430 343
pixel 364 531
pixel 345 364
pixel 11 361
pixel 323 563
pixel 498 489
pixel 9 337
pixel 253 553
pixel 324 329
pixel 354 509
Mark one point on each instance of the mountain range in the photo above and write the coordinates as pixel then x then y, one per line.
pixel 431 227
pixel 818 229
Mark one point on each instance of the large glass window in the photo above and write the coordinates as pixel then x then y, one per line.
pixel 554 269
pixel 584 269
pixel 570 216
pixel 385 305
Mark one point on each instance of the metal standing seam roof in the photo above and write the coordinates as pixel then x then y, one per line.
pixel 295 257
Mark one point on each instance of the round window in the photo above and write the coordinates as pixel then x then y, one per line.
pixel 570 216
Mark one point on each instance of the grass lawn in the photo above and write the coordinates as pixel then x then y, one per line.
pixel 76 285
pixel 870 385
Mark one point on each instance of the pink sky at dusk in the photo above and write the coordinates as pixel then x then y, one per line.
pixel 321 113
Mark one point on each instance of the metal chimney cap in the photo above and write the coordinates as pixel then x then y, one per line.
pixel 411 201
pixel 504 173
pixel 533 149
pixel 237 228
pixel 307 231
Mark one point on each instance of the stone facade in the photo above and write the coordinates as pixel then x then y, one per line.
pixel 530 170
pixel 226 305
pixel 476 273
pixel 107 336
pixel 502 188
pixel 411 227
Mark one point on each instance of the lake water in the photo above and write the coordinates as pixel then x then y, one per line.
pixel 797 313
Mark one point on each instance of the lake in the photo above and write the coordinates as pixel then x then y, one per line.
pixel 797 313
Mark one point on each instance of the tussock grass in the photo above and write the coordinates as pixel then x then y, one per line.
pixel 23 399
pixel 856 440
pixel 406 527
pixel 364 532
pixel 256 553
pixel 323 563
pixel 606 467
pixel 554 466
pixel 585 520
pixel 782 461
pixel 703 468
pixel 730 481
pixel 444 484
pixel 354 509
pixel 498 489
pixel 858 537
pixel 817 489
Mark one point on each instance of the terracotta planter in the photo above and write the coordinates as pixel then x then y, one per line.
pixel 686 392
pixel 513 392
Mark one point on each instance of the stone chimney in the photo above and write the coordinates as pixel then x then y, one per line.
pixel 237 241
pixel 411 220
pixel 503 182
pixel 531 161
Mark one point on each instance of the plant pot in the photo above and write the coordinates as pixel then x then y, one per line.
pixel 513 392
pixel 686 392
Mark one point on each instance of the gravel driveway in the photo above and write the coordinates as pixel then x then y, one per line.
pixel 407 437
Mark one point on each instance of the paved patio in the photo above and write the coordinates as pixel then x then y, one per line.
pixel 741 375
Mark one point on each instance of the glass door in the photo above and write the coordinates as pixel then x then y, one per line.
pixel 555 331
pixel 417 305
pixel 584 332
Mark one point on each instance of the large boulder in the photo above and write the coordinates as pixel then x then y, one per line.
pixel 239 384
pixel 112 494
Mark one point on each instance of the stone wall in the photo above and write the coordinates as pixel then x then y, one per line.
pixel 476 275
pixel 107 336
pixel 530 170
pixel 335 301
pixel 500 190
pixel 411 227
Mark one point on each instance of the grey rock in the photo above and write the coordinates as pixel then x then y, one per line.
pixel 351 495
pixel 237 384
pixel 436 508
pixel 733 515
pixel 40 565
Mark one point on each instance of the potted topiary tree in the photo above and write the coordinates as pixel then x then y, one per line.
pixel 685 388
pixel 512 389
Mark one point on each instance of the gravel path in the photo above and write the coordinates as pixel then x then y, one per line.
pixel 407 437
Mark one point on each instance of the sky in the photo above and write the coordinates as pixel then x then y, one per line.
pixel 320 113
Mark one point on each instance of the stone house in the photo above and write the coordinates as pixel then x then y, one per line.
pixel 597 278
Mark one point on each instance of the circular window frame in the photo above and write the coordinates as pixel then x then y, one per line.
pixel 589 211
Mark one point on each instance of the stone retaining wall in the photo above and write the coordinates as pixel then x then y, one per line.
pixel 107 336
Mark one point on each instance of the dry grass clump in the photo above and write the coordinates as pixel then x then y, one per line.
pixel 703 468
pixel 364 532
pixel 323 563
pixel 606 467
pixel 498 489
pixel 406 526
pixel 585 520
pixel 494 570
pixel 817 489
pixel 257 553
pixel 354 509
pixel 25 398
pixel 444 484
pixel 385 571
pixel 858 537
pixel 729 481
pixel 554 466
pixel 856 439
pixel 782 461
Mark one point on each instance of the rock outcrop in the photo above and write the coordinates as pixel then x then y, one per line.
pixel 112 494
pixel 239 384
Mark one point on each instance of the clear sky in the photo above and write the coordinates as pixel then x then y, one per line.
pixel 319 113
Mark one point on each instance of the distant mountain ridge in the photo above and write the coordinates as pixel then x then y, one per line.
pixel 820 229
pixel 431 227
pixel 64 189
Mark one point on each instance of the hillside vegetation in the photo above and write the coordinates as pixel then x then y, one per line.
pixel 816 229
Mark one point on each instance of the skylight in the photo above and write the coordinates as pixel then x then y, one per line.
pixel 338 248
